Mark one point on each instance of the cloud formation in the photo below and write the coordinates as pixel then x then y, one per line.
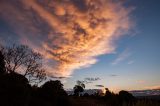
pixel 89 80
pixel 54 77
pixel 69 33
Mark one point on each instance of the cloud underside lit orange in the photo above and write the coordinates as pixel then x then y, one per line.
pixel 69 33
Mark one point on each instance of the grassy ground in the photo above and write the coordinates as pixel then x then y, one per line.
pixel 87 101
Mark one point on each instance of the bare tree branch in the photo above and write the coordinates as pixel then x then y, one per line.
pixel 18 57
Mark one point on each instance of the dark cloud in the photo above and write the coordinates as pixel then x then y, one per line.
pixel 99 85
pixel 92 79
pixel 54 77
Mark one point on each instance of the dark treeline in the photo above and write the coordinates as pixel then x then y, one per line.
pixel 16 89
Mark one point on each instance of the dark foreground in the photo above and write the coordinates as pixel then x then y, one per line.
pixel 16 91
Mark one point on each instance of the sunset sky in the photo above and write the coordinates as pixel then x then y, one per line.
pixel 114 43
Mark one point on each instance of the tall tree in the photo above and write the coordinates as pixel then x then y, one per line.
pixel 79 88
pixel 22 59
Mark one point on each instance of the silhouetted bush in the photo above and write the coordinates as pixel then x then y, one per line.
pixel 126 95
pixel 14 90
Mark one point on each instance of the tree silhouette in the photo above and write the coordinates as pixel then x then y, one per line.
pixel 2 64
pixel 126 97
pixel 79 88
pixel 53 92
pixel 108 94
pixel 24 60
pixel 53 88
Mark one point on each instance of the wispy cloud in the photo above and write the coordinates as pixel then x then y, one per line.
pixel 130 62
pixel 121 57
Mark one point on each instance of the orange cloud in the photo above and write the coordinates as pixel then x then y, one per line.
pixel 70 33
